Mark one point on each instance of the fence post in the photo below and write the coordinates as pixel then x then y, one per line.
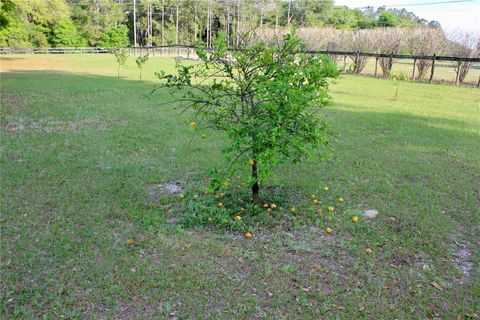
pixel 356 61
pixel 390 62
pixel 433 68
pixel 376 66
pixel 459 68
pixel 414 67
pixel 344 62
pixel 478 83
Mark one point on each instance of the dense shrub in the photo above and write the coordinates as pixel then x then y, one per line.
pixel 65 34
pixel 114 37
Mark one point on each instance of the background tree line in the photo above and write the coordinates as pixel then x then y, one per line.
pixel 57 23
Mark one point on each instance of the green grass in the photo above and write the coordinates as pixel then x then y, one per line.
pixel 80 149
pixel 445 71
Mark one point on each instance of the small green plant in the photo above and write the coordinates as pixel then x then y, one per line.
pixel 396 77
pixel 266 97
pixel 140 61
pixel 121 57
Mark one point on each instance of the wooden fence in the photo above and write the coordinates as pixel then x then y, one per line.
pixel 354 55
pixel 186 51
pixel 171 49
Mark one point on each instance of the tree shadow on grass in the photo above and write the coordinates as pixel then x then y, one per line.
pixel 58 84
pixel 354 128
pixel 376 152
pixel 348 117
pixel 2 58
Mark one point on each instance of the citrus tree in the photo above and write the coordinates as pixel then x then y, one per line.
pixel 121 57
pixel 266 97
pixel 140 61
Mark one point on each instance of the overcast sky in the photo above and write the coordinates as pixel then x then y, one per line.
pixel 452 16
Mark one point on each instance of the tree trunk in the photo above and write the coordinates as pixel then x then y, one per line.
pixel 228 23
pixel 238 23
pixel 208 23
pixel 176 25
pixel 288 15
pixel 261 14
pixel 134 23
pixel 255 187
pixel 163 24
pixel 195 21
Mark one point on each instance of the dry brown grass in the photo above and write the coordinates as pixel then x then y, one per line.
pixel 30 63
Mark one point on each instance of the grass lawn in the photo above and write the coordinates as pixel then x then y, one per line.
pixel 445 71
pixel 82 149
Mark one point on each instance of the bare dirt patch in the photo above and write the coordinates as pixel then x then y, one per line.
pixel 462 261
pixel 156 193
pixel 370 214
pixel 30 64
pixel 170 188
pixel 51 125
pixel 463 254
pixel 14 101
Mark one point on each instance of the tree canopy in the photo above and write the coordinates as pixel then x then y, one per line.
pixel 267 97
pixel 39 23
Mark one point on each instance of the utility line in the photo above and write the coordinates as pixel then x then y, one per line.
pixel 426 3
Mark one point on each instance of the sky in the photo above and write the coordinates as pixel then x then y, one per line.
pixel 463 16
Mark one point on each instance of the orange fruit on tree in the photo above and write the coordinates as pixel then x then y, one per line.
pixel 237 218
pixel 248 235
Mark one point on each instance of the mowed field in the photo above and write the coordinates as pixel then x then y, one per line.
pixel 82 150
pixel 445 71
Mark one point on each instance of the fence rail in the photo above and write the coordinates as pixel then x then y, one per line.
pixel 87 50
pixel 460 62
pixel 147 49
